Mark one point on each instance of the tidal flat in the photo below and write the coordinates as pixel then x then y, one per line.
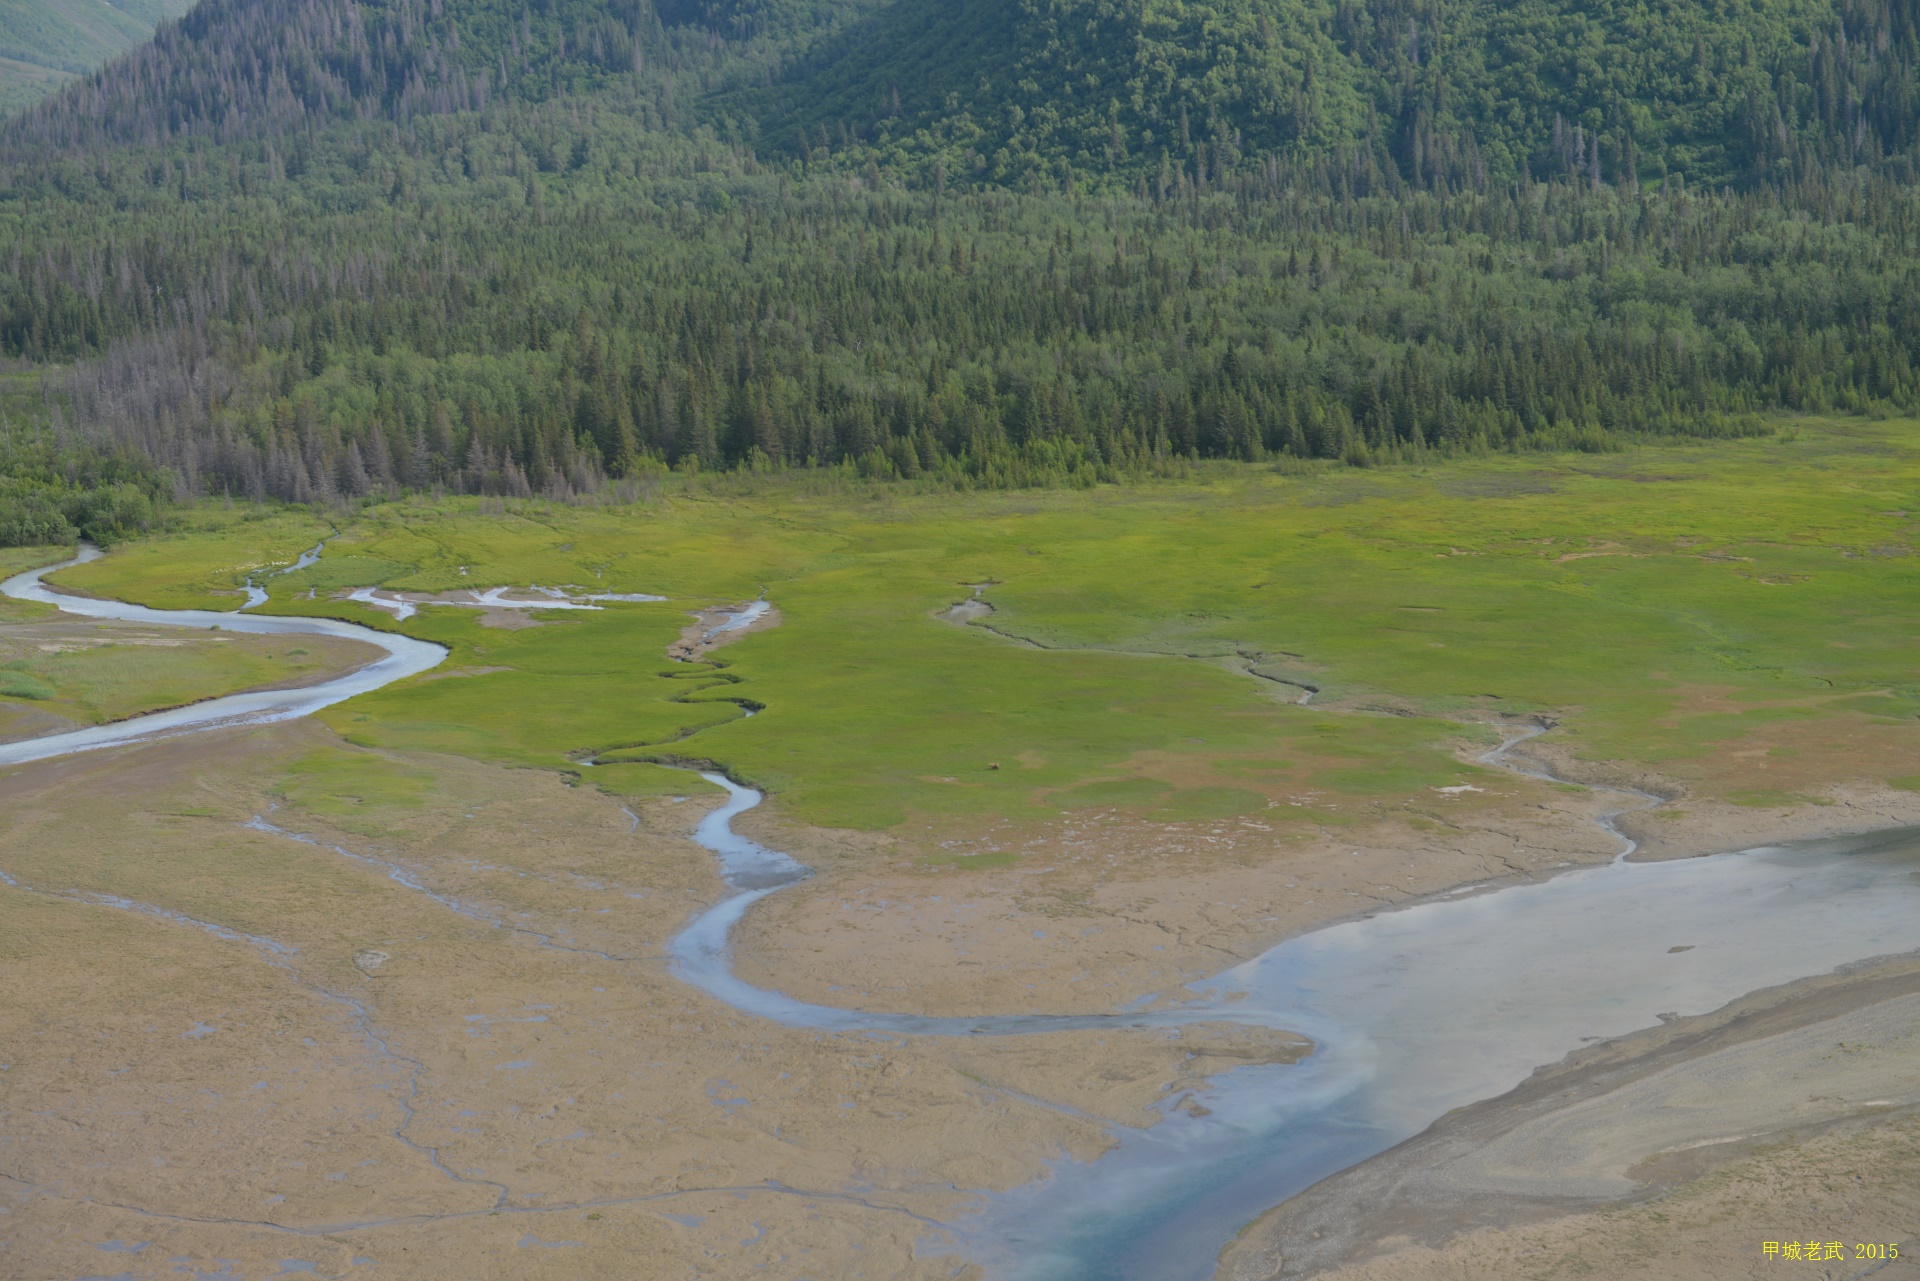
pixel 1201 717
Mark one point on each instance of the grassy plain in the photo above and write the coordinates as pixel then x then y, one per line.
pixel 1736 616
pixel 205 563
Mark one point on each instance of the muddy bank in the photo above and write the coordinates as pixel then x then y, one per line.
pixel 1687 824
pixel 1690 825
pixel 969 610
pixel 1855 1185
pixel 722 625
pixel 1099 909
pixel 1628 1121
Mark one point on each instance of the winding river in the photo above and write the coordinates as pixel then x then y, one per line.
pixel 1414 1011
pixel 405 657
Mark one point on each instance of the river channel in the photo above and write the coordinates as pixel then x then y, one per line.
pixel 1413 1011
pixel 405 657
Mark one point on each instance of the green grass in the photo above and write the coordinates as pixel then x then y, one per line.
pixel 204 564
pixel 340 784
pixel 111 681
pixel 1663 604
pixel 334 572
pixel 17 683
pixel 577 684
pixel 642 781
pixel 1772 798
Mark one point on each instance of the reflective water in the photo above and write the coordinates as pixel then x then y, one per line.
pixel 404 608
pixel 1414 1012
pixel 404 657
pixel 736 619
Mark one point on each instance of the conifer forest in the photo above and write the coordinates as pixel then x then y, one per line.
pixel 319 250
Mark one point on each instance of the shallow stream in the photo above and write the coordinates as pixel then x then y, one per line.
pixel 1414 1011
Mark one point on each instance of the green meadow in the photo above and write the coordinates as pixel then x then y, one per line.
pixel 204 565
pixel 1665 606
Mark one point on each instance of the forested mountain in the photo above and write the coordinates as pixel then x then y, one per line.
pixel 1452 94
pixel 1069 91
pixel 319 249
pixel 43 43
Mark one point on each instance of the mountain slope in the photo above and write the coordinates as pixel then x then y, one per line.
pixel 240 69
pixel 1009 89
pixel 1149 94
pixel 44 43
pixel 320 248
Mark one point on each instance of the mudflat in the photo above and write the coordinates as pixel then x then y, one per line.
pixel 464 1045
pixel 280 1051
pixel 1789 1115
pixel 388 990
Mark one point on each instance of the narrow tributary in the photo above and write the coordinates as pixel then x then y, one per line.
pixel 1413 1011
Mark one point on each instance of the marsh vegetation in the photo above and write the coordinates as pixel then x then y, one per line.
pixel 1723 615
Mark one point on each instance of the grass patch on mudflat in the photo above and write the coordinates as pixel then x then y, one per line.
pixel 337 783
pixel 93 675
pixel 1711 610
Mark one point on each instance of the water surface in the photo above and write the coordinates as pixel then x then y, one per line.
pixel 403 657
pixel 1414 1011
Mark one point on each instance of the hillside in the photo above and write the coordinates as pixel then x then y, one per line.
pixel 316 251
pixel 1009 90
pixel 1070 92
pixel 44 43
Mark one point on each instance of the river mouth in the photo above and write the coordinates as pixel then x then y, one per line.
pixel 1414 1011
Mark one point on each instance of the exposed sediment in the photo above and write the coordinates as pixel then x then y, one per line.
pixel 1636 1120
pixel 565 943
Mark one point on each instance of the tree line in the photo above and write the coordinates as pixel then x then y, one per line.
pixel 411 266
